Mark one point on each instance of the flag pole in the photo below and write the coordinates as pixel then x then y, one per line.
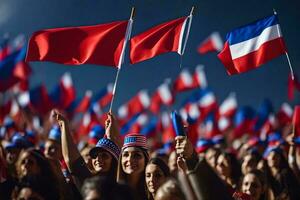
pixel 286 53
pixel 127 37
pixel 187 35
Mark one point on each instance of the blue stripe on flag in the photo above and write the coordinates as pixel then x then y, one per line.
pixel 251 30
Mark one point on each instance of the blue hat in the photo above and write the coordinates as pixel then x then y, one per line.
pixel 18 141
pixel 107 145
pixel 55 134
pixel 270 149
pixel 218 139
pixel 203 144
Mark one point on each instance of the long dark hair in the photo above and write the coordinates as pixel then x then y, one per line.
pixel 122 177
pixel 164 168
pixel 45 182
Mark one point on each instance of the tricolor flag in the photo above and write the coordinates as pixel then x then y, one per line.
pixel 252 45
pixel 85 102
pixel 214 42
pixel 184 81
pixel 162 96
pixel 104 96
pixel 200 77
pixel 228 107
pixel 136 105
pixel 163 38
pixel 99 44
pixel 64 93
pixel 285 114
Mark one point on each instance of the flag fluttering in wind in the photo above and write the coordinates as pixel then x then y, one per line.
pixel 163 38
pixel 214 42
pixel 252 45
pixel 64 93
pixel 99 44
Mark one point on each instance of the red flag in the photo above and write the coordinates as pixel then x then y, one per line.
pixel 296 120
pixel 292 85
pixel 163 38
pixel 85 103
pixel 184 82
pixel 100 44
pixel 212 43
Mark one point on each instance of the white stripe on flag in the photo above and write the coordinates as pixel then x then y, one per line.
pixel 251 45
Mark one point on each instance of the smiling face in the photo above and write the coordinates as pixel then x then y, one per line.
pixel 252 186
pixel 133 160
pixel 102 161
pixel 154 178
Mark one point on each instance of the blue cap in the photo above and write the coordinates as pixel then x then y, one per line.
pixel 203 144
pixel 107 145
pixel 55 134
pixel 18 141
pixel 218 139
pixel 270 149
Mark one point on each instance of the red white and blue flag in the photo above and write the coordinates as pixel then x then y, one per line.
pixel 212 43
pixel 252 45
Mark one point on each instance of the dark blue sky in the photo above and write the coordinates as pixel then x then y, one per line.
pixel 269 81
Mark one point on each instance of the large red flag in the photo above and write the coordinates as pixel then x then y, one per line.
pixel 100 44
pixel 166 37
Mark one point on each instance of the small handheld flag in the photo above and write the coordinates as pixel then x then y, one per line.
pixel 177 124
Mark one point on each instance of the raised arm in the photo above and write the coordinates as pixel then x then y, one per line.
pixel 112 130
pixel 69 149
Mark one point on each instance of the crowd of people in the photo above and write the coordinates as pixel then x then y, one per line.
pixel 52 165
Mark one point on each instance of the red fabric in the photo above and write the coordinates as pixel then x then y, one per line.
pixel 265 53
pixel 206 46
pixel 105 100
pixel 84 104
pixel 155 41
pixel 292 85
pixel 180 85
pixel 100 44
pixel 296 120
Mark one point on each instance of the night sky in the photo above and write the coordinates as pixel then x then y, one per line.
pixel 269 81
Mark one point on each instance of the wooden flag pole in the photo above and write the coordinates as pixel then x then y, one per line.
pixel 127 37
pixel 286 53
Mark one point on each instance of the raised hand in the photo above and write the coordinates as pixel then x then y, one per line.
pixel 112 129
pixel 184 147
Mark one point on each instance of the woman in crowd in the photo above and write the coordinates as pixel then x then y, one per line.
pixel 228 170
pixel 132 164
pixel 283 182
pixel 254 183
pixel 35 171
pixel 156 174
pixel 104 155
pixel 250 161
